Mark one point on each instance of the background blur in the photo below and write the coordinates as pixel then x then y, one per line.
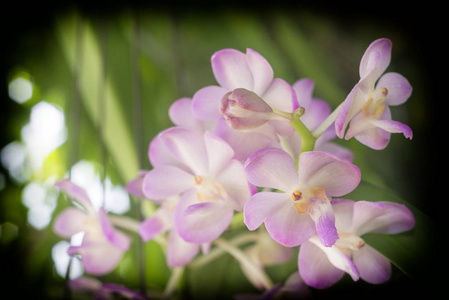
pixel 85 87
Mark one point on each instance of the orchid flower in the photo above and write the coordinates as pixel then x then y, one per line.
pixel 179 252
pixel 366 108
pixel 249 71
pixel 301 207
pixel 321 267
pixel 316 111
pixel 102 246
pixel 200 168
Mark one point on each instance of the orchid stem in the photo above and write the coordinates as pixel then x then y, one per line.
pixel 262 277
pixel 326 123
pixel 173 281
pixel 307 139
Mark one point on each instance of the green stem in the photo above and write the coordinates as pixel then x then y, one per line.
pixel 307 139
pixel 262 277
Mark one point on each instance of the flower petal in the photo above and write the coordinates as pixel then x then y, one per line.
pixel 219 153
pixel 159 222
pixel 315 268
pixel 373 266
pixel 234 181
pixel 98 258
pixel 201 222
pixel 69 222
pixel 206 102
pixel 323 216
pixel 399 89
pixel 166 181
pixel 187 146
pixel 134 187
pixel 260 69
pixel 381 217
pixel 115 237
pixel 324 170
pixel 303 89
pixel 394 127
pixel 180 252
pixel 281 95
pixel 272 168
pixel 376 59
pixel 181 114
pixel 74 191
pixel 288 227
pixel 231 69
pixel 259 207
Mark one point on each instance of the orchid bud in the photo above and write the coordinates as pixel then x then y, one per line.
pixel 244 109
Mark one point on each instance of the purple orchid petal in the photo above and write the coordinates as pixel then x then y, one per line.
pixel 316 112
pixel 74 191
pixel 373 266
pixel 259 207
pixel 234 181
pixel 303 89
pixel 231 69
pixel 399 89
pixel 98 258
pixel 69 222
pixel 272 168
pixel 181 114
pixel 206 102
pixel 281 95
pixel 394 127
pixel 180 252
pixel 376 59
pixel 134 187
pixel 337 150
pixel 187 146
pixel 288 227
pixel 345 114
pixel 158 223
pixel 166 181
pixel 115 237
pixel 261 71
pixel 381 217
pixel 343 212
pixel 219 153
pixel 315 268
pixel 323 216
pixel 201 222
pixel 158 154
pixel 334 175
pixel 244 143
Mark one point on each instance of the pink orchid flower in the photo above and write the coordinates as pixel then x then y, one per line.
pixel 179 252
pixel 250 71
pixel 200 168
pixel 103 246
pixel 301 205
pixel 366 108
pixel 321 267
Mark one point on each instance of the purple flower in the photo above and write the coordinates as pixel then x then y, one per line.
pixel 103 246
pixel 321 267
pixel 200 168
pixel 301 205
pixel 243 109
pixel 251 71
pixel 366 108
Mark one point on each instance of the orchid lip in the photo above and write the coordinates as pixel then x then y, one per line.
pixel 208 190
pixel 375 106
pixel 349 242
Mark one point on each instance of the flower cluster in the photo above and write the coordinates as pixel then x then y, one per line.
pixel 256 145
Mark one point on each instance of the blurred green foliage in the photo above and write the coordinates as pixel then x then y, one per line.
pixel 115 74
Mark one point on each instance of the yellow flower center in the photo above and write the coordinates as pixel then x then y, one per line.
pixel 208 190
pixel 375 106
